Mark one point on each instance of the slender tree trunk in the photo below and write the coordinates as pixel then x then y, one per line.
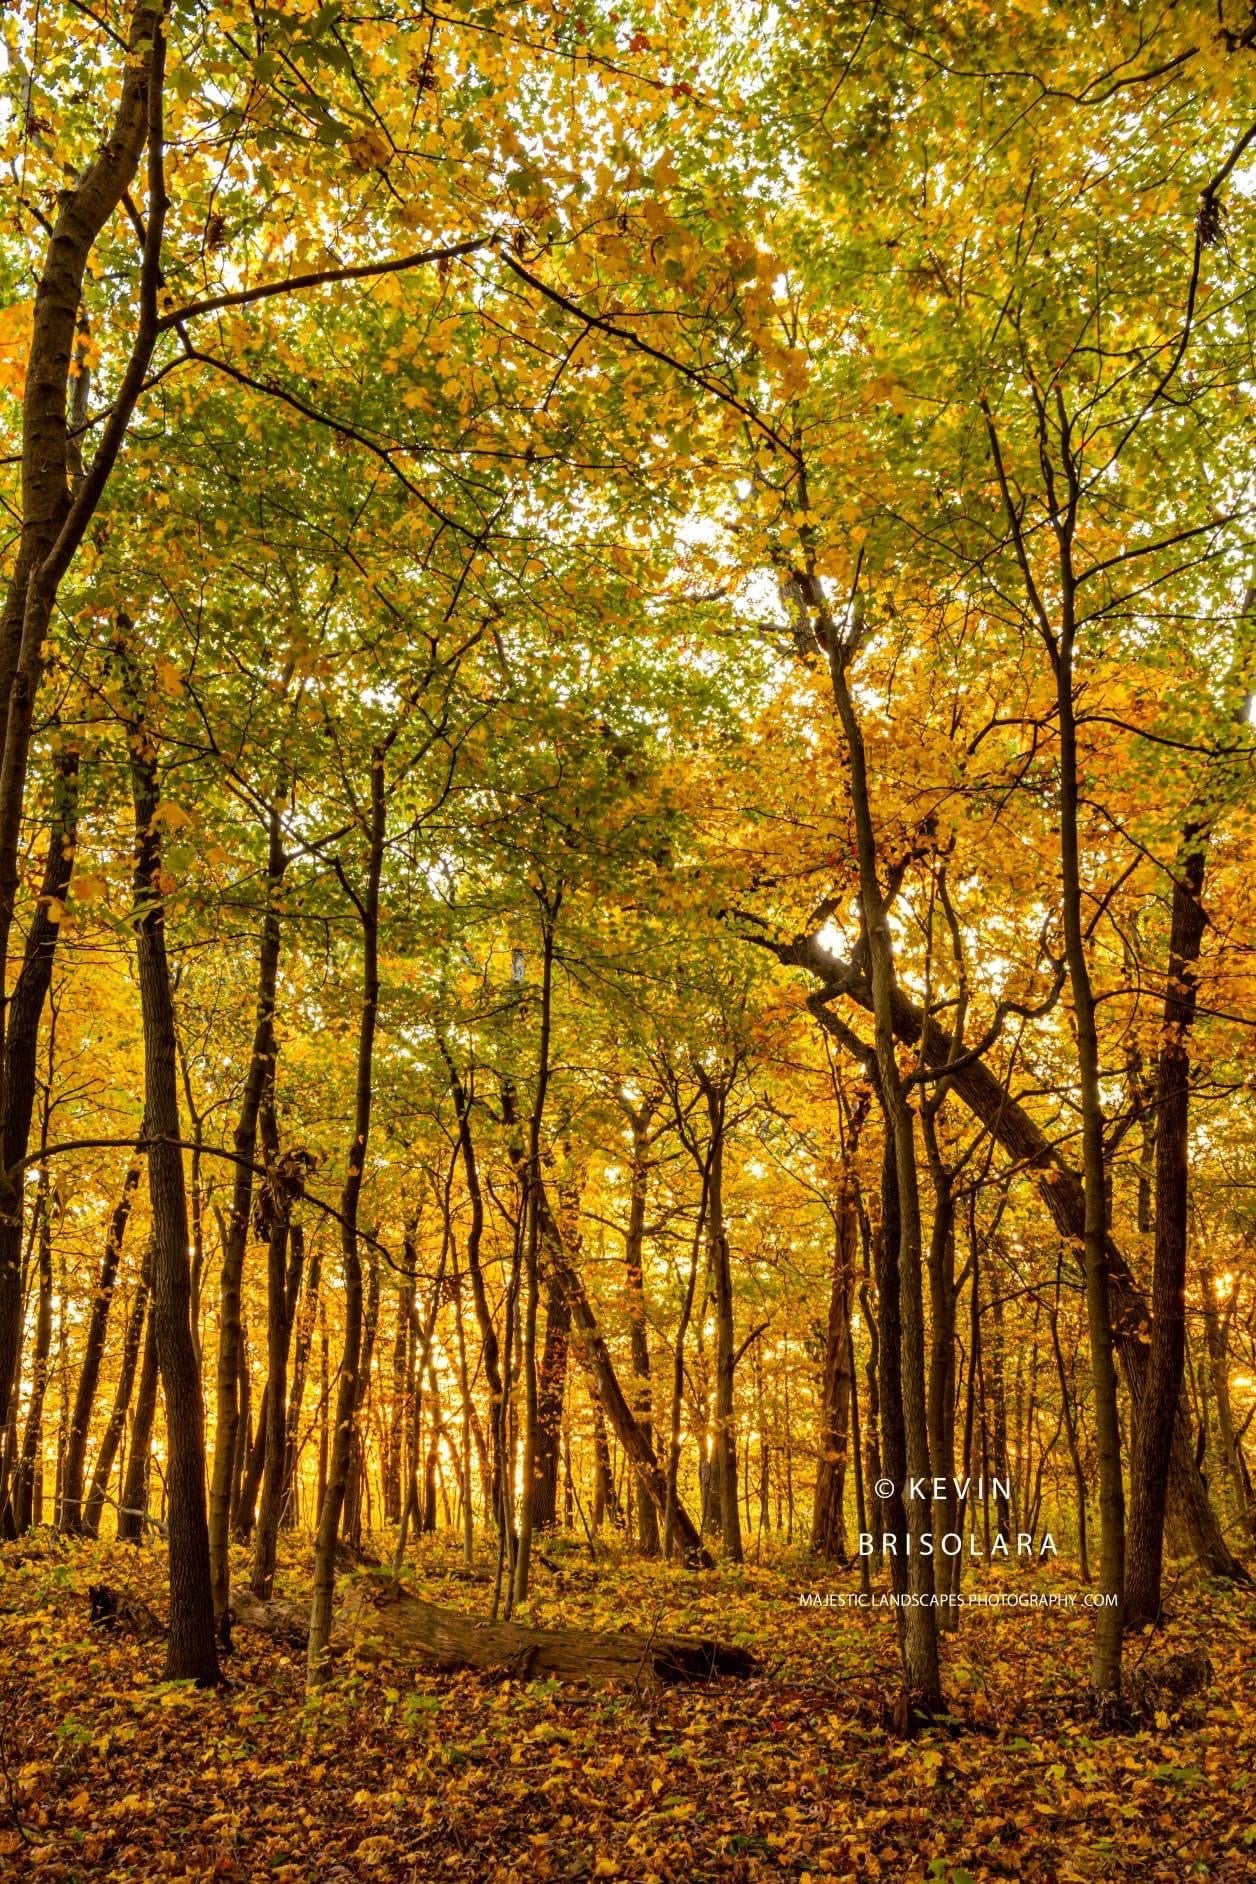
pixel 1061 1190
pixel 1150 1472
pixel 112 1438
pixel 1109 1625
pixel 191 1649
pixel 285 1181
pixel 397 1409
pixel 828 1528
pixel 28 1486
pixel 893 1463
pixel 1074 1446
pixel 549 908
pixel 55 516
pixel 21 1051
pixel 716 1091
pixel 305 1320
pixel 671 1500
pixel 1216 1333
pixel 348 1386
pixel 133 1511
pixel 70 1517
pixel 489 1348
pixel 259 1077
pixel 920 1634
pixel 357 1486
pixel 639 1119
pixel 551 1395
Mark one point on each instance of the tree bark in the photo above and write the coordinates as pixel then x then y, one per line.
pixel 348 1385
pixel 1149 1479
pixel 639 1119
pixel 921 1668
pixel 235 1242
pixel 54 518
pixel 285 1183
pixel 112 1438
pixel 28 1486
pixel 70 1516
pixel 715 1091
pixel 191 1651
pixel 828 1529
pixel 389 1620
pixel 1060 1188
pixel 133 1510
pixel 17 1091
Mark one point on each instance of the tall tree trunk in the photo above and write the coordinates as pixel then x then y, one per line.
pixel 1061 1190
pixel 551 1394
pixel 639 1120
pixel 55 516
pixel 191 1649
pixel 1216 1333
pixel 133 1511
pixel 28 1488
pixel 112 1438
pixel 671 1500
pixel 611 1399
pixel 489 1347
pixel 828 1530
pixel 921 1668
pixel 285 1183
pixel 893 1463
pixel 1074 1446
pixel 1149 1477
pixel 724 1460
pixel 398 1407
pixel 348 1384
pixel 549 908
pixel 942 1303
pixel 1109 1624
pixel 21 1051
pixel 259 1077
pixel 305 1320
pixel 70 1516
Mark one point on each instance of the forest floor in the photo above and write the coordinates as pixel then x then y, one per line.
pixel 107 1772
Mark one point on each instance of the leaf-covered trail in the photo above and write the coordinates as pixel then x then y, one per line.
pixel 108 1773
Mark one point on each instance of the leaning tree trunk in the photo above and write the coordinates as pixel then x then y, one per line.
pixel 191 1650
pixel 611 1397
pixel 347 1390
pixel 1061 1190
pixel 1149 1479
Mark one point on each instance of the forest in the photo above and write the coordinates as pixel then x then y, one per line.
pixel 627 894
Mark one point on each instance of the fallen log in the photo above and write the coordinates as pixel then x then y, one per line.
pixel 390 1621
